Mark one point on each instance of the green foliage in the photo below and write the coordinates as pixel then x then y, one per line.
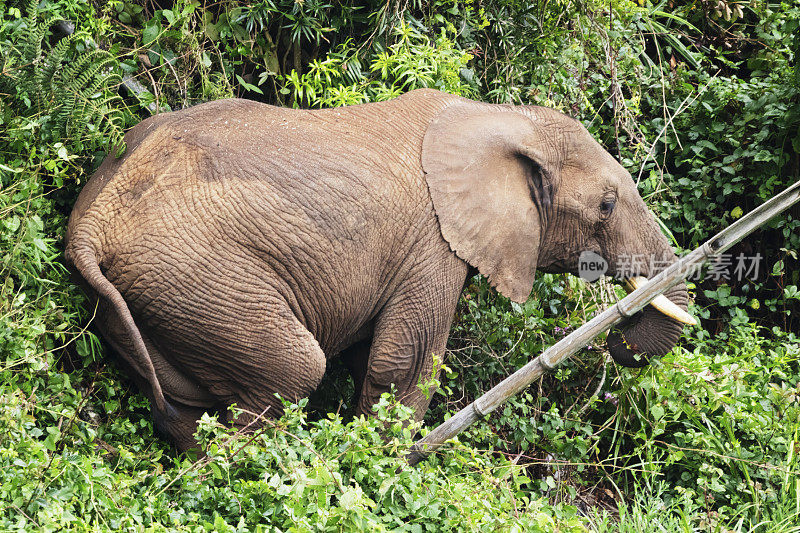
pixel 313 57
pixel 729 444
pixel 41 313
pixel 293 475
pixel 66 86
pixel 710 431
pixel 413 62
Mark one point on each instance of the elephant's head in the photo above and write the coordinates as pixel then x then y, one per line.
pixel 521 188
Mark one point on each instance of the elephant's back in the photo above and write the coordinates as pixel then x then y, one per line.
pixel 108 172
pixel 325 207
pixel 242 140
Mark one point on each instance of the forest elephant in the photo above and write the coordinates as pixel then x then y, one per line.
pixel 235 247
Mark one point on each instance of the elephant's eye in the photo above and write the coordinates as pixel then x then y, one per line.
pixel 607 206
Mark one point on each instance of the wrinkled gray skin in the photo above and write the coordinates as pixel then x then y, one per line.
pixel 236 246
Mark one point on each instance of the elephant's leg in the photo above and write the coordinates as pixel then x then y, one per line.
pixel 356 358
pixel 410 334
pixel 189 399
pixel 282 358
pixel 181 428
pixel 182 425
pixel 174 383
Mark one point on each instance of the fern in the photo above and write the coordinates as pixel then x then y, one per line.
pixel 72 92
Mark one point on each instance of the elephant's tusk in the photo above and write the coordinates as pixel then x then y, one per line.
pixel 661 302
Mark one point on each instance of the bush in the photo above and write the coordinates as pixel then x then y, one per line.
pixel 291 475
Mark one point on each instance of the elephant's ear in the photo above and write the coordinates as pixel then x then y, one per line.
pixel 492 185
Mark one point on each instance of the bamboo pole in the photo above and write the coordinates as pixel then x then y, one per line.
pixel 624 308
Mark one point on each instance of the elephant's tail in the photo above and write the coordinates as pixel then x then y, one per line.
pixel 85 262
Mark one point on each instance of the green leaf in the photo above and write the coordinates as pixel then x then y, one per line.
pixel 62 153
pixel 657 411
pixel 248 86
pixel 12 224
pixel 151 32
pixel 53 435
pixel 40 244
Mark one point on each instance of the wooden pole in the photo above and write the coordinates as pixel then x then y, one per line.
pixel 624 308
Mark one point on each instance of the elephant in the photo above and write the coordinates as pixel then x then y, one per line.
pixel 235 247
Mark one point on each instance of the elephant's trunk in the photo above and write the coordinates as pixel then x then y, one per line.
pixel 649 333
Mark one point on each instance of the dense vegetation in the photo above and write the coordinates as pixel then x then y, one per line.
pixel 699 99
